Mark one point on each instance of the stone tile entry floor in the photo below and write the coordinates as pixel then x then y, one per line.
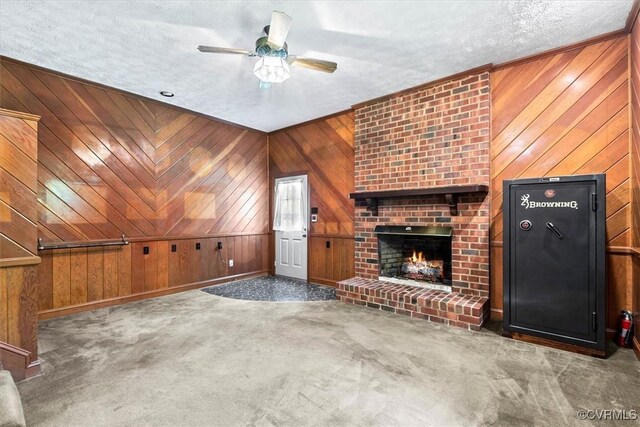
pixel 271 288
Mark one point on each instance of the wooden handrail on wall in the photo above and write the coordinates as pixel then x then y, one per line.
pixel 122 242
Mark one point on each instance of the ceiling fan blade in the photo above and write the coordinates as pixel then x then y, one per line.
pixel 213 49
pixel 279 28
pixel 313 64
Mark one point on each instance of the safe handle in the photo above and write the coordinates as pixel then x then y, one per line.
pixel 553 228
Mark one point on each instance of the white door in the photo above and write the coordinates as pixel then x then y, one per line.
pixel 291 208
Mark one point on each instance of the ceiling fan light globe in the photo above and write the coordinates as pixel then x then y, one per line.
pixel 272 69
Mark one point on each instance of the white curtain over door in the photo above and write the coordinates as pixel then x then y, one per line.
pixel 290 207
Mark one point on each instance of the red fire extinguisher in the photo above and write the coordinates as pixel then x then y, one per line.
pixel 624 331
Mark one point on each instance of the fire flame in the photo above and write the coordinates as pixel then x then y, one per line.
pixel 418 258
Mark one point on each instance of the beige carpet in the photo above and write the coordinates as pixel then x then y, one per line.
pixel 198 359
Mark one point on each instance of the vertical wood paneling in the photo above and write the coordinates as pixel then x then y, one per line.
pixel 4 306
pixel 565 114
pixel 151 267
pixel 124 271
pixel 173 264
pixel 110 273
pixel 79 276
pixel 332 264
pixel 61 280
pixel 95 273
pixel 163 265
pixel 82 277
pixel 18 315
pixel 45 282
pixel 137 267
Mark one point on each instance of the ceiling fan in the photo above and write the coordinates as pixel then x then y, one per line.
pixel 273 65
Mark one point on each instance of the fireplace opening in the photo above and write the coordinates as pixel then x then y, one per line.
pixel 420 256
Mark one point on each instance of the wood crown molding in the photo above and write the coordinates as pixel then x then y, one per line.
pixel 308 122
pixel 472 71
pixel 491 67
pixel 633 16
pixel 566 48
pixel 19 115
pixel 122 91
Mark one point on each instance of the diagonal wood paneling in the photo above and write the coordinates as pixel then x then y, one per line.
pixel 112 163
pixel 562 115
pixel 566 114
pixel 18 184
pixel 324 149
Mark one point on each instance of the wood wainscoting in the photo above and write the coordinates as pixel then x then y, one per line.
pixel 18 317
pixel 331 259
pixel 74 280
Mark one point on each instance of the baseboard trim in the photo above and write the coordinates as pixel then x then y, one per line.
pixel 18 362
pixel 636 347
pixel 332 283
pixel 554 344
pixel 65 311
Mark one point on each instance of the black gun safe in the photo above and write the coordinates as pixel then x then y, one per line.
pixel 554 259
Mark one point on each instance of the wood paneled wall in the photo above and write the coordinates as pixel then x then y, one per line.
pixel 18 240
pixel 110 163
pixel 324 150
pixel 566 114
pixel 18 184
pixel 73 279
pixel 18 308
pixel 634 50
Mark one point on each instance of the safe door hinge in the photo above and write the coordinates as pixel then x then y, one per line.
pixel 594 202
pixel 594 321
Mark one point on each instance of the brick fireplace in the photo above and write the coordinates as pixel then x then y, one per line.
pixel 433 137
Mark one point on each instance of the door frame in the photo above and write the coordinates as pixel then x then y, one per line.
pixel 600 264
pixel 272 191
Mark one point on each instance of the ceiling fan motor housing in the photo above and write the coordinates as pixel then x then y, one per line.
pixel 264 48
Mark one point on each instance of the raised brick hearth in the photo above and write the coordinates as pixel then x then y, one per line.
pixel 432 137
pixel 450 308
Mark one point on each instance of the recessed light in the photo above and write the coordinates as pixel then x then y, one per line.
pixel 166 93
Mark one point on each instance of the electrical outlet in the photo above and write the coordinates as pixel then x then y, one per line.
pixel 230 263
pixel 145 250
pixel 174 248
pixel 197 246
pixel 219 245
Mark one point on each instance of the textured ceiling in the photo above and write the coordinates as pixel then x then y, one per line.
pixel 380 47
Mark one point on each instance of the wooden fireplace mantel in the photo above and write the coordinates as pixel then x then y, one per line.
pixel 450 193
